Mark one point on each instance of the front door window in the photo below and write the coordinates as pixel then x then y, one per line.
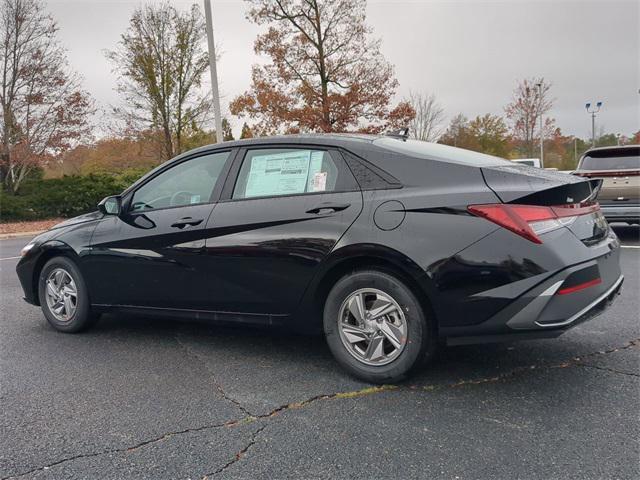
pixel 188 183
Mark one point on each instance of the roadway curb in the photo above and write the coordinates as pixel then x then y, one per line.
pixel 5 236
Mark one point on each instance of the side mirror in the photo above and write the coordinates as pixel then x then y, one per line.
pixel 110 205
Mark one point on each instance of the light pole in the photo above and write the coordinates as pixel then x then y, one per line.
pixel 593 112
pixel 539 85
pixel 213 70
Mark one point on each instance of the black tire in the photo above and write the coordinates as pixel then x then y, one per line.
pixel 82 318
pixel 421 341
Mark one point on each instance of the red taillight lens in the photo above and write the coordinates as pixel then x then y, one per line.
pixel 529 221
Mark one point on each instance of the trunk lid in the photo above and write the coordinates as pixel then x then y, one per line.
pixel 513 182
pixel 521 185
pixel 617 185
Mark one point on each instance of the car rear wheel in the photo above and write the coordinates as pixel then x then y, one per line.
pixel 63 296
pixel 376 328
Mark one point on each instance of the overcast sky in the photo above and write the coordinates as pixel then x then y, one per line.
pixel 468 53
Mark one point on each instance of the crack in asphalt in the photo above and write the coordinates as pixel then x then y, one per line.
pixel 630 344
pixel 238 456
pixel 607 369
pixel 229 424
pixel 144 443
pixel 250 418
pixel 573 362
pixel 224 394
pixel 633 343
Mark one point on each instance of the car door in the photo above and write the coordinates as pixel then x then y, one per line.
pixel 282 211
pixel 149 255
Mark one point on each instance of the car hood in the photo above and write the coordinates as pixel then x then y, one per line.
pixel 87 217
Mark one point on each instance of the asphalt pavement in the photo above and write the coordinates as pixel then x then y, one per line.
pixel 147 398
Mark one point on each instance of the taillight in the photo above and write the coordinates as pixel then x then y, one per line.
pixel 529 221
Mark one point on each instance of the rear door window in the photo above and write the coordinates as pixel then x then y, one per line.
pixel 290 171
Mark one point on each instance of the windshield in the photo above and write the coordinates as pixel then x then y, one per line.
pixel 612 162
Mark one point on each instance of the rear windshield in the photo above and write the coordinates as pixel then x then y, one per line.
pixel 612 160
pixel 437 151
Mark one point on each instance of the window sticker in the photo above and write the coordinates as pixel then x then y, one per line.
pixel 315 165
pixel 319 182
pixel 279 173
pixel 194 199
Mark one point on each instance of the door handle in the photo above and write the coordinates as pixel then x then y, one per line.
pixel 183 222
pixel 328 207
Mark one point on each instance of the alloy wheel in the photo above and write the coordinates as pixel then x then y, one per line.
pixel 61 294
pixel 372 327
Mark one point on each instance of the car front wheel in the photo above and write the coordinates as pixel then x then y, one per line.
pixel 63 296
pixel 376 328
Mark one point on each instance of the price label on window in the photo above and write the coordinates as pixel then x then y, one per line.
pixel 319 182
pixel 278 174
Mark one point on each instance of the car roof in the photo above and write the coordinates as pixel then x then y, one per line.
pixel 379 150
pixel 335 139
pixel 611 148
pixel 360 143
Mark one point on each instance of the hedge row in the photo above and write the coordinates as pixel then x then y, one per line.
pixel 61 197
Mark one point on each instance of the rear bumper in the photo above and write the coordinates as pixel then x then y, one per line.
pixel 551 330
pixel 592 310
pixel 558 302
pixel 621 213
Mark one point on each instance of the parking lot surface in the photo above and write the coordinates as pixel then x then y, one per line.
pixel 148 398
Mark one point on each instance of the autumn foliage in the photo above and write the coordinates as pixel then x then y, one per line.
pixel 531 100
pixel 44 110
pixel 326 72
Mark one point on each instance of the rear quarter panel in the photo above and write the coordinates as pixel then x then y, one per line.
pixel 432 225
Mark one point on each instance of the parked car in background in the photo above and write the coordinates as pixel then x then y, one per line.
pixel 619 168
pixel 387 245
pixel 531 162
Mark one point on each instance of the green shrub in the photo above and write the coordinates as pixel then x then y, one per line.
pixel 15 207
pixel 62 197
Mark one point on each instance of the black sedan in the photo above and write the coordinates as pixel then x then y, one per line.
pixel 389 246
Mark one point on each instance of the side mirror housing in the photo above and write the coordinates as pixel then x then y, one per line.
pixel 110 205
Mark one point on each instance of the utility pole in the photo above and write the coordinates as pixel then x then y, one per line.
pixel 214 71
pixel 575 150
pixel 593 112
pixel 539 85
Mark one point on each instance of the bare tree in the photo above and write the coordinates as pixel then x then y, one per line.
pixel 429 120
pixel 161 59
pixel 531 100
pixel 44 110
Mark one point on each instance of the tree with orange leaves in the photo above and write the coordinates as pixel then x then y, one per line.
pixel 326 72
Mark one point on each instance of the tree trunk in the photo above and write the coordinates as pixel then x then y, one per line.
pixel 324 92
